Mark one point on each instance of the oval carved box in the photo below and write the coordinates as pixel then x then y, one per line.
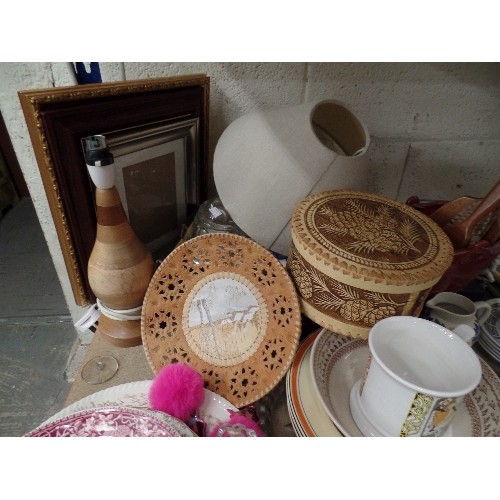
pixel 357 257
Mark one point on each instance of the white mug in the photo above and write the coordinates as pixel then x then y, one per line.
pixel 418 373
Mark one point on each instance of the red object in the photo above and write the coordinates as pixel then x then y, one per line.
pixel 467 263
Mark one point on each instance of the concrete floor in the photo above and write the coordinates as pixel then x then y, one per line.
pixel 37 336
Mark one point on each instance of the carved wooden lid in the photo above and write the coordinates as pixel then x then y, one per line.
pixel 224 305
pixel 370 241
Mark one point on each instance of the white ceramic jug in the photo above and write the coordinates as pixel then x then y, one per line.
pixel 452 310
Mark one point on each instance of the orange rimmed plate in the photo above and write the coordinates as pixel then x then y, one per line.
pixel 307 415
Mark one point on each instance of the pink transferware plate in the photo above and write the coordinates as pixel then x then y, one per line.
pixel 215 408
pixel 108 422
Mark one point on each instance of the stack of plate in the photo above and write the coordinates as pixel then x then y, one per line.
pixel 307 415
pixel 133 399
pixel 326 367
pixel 489 336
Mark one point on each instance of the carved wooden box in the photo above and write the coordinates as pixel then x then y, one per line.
pixel 357 257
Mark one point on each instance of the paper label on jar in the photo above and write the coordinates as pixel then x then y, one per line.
pixel 215 212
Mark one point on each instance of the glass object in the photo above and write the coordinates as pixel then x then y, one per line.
pixel 99 369
pixel 212 217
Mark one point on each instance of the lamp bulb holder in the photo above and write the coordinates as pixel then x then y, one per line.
pixel 100 161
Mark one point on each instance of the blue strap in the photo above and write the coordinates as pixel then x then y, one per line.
pixel 82 76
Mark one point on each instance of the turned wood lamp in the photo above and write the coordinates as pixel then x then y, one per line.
pixel 120 266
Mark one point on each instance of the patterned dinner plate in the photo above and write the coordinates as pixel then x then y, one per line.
pixel 489 335
pixel 489 346
pixel 215 409
pixel 491 327
pixel 338 362
pixel 307 415
pixel 109 422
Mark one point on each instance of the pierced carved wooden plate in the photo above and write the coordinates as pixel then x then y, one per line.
pixel 224 305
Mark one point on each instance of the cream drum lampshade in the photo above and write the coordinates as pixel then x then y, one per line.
pixel 266 162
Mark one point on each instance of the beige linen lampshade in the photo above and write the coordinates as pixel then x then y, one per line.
pixel 267 161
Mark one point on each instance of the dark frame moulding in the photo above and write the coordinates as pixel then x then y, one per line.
pixel 57 120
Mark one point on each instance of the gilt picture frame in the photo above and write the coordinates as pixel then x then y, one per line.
pixel 169 112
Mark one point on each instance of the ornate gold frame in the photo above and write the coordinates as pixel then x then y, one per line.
pixel 57 120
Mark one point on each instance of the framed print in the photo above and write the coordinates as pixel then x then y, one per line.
pixel 156 177
pixel 157 130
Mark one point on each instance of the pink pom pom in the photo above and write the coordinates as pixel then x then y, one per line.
pixel 238 425
pixel 177 390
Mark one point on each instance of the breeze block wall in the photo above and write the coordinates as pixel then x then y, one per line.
pixel 434 127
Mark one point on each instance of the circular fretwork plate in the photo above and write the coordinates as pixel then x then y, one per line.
pixel 224 305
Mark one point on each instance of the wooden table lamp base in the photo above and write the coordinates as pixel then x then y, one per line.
pixel 120 333
pixel 120 265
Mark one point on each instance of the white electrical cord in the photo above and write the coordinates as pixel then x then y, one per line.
pixel 120 315
pixel 89 319
pixel 91 315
